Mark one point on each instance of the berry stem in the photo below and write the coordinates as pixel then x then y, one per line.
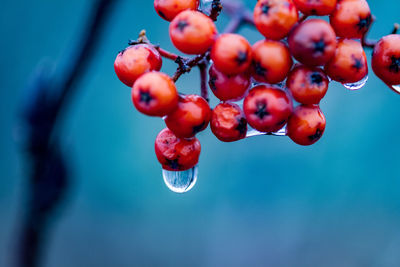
pixel 395 28
pixel 368 43
pixel 186 65
pixel 166 54
pixel 216 8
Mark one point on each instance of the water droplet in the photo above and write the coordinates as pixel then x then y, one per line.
pixel 281 132
pixel 357 85
pixel 253 132
pixel 396 88
pixel 180 181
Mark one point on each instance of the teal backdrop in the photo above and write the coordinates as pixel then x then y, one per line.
pixel 263 201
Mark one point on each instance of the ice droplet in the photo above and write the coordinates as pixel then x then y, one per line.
pixel 180 181
pixel 253 132
pixel 396 88
pixel 357 85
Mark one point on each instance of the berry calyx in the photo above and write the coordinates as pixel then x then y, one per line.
pixel 306 125
pixel 190 117
pixel 155 94
pixel 228 122
pixel 135 61
pixel 267 108
pixel 386 59
pixel 315 7
pixel 169 9
pixel 176 154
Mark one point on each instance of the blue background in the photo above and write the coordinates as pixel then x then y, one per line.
pixel 263 201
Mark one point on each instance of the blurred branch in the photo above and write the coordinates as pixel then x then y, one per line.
pixel 49 94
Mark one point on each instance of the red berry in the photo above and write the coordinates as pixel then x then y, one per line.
pixel 176 154
pixel 228 87
pixel 306 125
pixel 190 117
pixel 349 64
pixel 271 61
pixel 192 32
pixel 168 9
pixel 313 42
pixel 136 60
pixel 267 108
pixel 154 94
pixel 386 59
pixel 231 54
pixel 307 85
pixel 275 18
pixel 228 122
pixel 351 18
pixel 315 7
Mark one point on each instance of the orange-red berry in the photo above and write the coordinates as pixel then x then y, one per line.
pixel 176 154
pixel 228 87
pixel 313 42
pixel 351 18
pixel 308 85
pixel 275 18
pixel 386 59
pixel 155 94
pixel 191 116
pixel 192 32
pixel 228 122
pixel 349 64
pixel 306 125
pixel 315 7
pixel 168 9
pixel 271 61
pixel 136 60
pixel 231 53
pixel 267 108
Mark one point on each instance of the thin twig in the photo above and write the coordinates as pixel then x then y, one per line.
pixel 216 8
pixel 203 78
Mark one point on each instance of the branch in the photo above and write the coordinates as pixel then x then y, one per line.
pixel 203 79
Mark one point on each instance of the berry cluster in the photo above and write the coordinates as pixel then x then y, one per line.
pixel 294 62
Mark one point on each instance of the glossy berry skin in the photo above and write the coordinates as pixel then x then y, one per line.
pixel 169 9
pixel 271 61
pixel 275 18
pixel 176 154
pixel 313 42
pixel 306 125
pixel 228 122
pixel 386 59
pixel 351 18
pixel 349 64
pixel 192 32
pixel 190 117
pixel 228 87
pixel 267 108
pixel 136 60
pixel 231 54
pixel 308 85
pixel 315 7
pixel 155 94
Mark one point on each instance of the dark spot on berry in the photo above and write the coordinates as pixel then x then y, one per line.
pixel 395 64
pixel 182 24
pixel 358 64
pixel 162 14
pixel 199 127
pixel 242 126
pixel 261 111
pixel 259 69
pixel 315 136
pixel 316 78
pixel 319 46
pixel 265 8
pixel 241 57
pixel 145 97
pixel 364 23
pixel 173 163
pixel 211 82
pixel 313 11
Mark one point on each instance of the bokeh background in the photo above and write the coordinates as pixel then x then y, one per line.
pixel 263 201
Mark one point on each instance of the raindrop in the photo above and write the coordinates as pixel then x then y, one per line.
pixel 396 88
pixel 180 181
pixel 357 85
pixel 253 132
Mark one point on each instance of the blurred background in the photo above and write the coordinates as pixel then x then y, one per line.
pixel 263 201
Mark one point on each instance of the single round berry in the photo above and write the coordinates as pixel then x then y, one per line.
pixel 169 9
pixel 155 94
pixel 176 154
pixel 271 61
pixel 192 32
pixel 386 59
pixel 275 18
pixel 306 125
pixel 351 18
pixel 228 87
pixel 136 60
pixel 308 85
pixel 315 7
pixel 228 122
pixel 190 117
pixel 231 54
pixel 267 108
pixel 349 64
pixel 313 42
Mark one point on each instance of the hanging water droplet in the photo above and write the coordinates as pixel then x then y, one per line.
pixel 253 132
pixel 180 181
pixel 357 85
pixel 396 88
pixel 281 132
